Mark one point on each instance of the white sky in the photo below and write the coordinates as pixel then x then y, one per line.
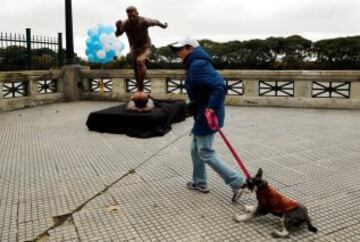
pixel 211 19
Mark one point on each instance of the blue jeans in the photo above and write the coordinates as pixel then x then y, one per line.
pixel 201 153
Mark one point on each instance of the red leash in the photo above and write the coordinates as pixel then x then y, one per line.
pixel 214 125
pixel 237 158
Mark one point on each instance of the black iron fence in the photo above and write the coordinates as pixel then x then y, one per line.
pixel 25 51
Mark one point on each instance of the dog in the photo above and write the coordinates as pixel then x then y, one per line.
pixel 292 213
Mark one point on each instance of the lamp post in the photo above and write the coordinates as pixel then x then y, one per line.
pixel 72 79
pixel 69 34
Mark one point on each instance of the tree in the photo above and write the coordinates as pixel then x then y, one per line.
pixel 342 53
pixel 13 58
pixel 292 52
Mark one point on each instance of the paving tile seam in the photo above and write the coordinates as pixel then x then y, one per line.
pixel 17 221
pixel 69 216
pixel 336 231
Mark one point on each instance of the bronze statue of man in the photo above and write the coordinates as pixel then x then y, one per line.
pixel 136 29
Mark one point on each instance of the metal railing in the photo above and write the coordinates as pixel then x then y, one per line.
pixel 25 51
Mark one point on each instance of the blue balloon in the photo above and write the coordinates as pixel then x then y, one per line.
pixel 106 29
pixel 95 38
pixel 96 46
pixel 91 58
pixel 110 54
pixel 109 29
pixel 88 42
pixel 92 31
pixel 88 52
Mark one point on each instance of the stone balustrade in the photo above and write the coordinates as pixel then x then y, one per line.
pixel 23 89
pixel 295 88
pixel 298 88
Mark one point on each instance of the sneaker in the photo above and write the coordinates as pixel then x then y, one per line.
pixel 236 195
pixel 199 188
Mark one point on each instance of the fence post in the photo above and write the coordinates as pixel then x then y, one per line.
pixel 60 50
pixel 28 48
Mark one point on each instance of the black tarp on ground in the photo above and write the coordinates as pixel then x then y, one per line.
pixel 143 125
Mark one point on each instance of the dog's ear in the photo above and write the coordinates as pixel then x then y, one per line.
pixel 259 173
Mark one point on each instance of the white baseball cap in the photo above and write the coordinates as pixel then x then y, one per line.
pixel 185 41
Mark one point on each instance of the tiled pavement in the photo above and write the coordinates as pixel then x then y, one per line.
pixel 52 167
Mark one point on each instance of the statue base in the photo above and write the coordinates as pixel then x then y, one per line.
pixel 120 120
pixel 140 102
pixel 132 106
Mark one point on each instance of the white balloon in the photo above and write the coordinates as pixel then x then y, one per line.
pixel 101 54
pixel 118 53
pixel 114 47
pixel 113 39
pixel 107 47
pixel 118 46
pixel 104 38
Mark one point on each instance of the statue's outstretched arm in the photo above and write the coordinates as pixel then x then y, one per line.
pixel 155 22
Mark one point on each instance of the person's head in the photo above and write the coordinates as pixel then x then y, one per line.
pixel 132 13
pixel 184 47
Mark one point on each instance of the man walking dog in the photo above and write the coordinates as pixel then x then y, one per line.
pixel 206 90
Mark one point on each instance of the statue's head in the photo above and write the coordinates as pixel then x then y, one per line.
pixel 132 13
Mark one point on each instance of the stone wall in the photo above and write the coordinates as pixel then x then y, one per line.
pixel 344 89
pixel 308 89
pixel 26 86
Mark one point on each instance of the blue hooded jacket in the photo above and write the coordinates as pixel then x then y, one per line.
pixel 206 87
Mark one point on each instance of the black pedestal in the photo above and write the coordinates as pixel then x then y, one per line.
pixel 137 124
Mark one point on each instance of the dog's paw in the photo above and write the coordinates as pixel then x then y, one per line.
pixel 240 218
pixel 278 234
pixel 275 234
pixel 250 208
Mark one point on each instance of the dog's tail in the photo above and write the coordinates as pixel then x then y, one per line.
pixel 311 227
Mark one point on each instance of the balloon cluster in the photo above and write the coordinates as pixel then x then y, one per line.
pixel 102 46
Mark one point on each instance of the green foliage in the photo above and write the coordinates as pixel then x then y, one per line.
pixel 341 53
pixel 15 58
pixel 292 52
